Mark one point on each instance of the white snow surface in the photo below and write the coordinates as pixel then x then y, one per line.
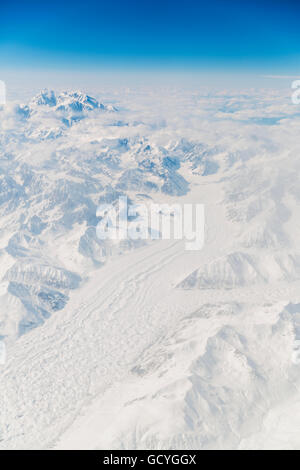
pixel 144 345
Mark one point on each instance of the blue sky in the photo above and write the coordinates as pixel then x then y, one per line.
pixel 260 34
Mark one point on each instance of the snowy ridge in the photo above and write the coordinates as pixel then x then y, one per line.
pixel 242 269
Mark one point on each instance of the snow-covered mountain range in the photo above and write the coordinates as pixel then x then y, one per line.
pixel 142 344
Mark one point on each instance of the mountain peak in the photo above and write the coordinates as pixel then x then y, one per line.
pixel 45 98
pixel 75 101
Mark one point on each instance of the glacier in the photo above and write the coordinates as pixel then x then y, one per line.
pixel 141 344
